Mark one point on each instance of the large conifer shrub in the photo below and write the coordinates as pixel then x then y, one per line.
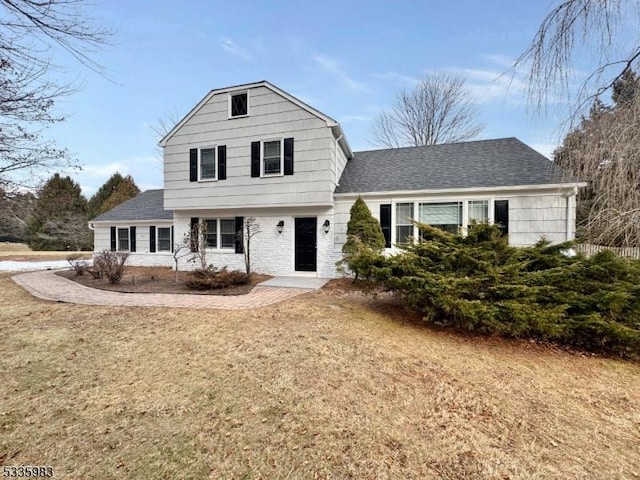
pixel 480 283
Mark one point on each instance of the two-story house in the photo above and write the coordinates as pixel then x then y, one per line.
pixel 254 151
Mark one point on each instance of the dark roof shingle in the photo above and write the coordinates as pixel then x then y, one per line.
pixel 484 163
pixel 148 205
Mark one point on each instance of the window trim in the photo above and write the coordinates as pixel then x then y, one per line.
pixel 128 229
pixel 215 163
pixel 466 222
pixel 218 245
pixel 230 95
pixel 269 140
pixel 158 250
pixel 404 224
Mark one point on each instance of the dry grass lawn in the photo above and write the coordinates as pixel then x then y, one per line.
pixel 323 386
pixel 21 252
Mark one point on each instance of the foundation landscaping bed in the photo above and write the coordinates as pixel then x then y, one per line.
pixel 163 280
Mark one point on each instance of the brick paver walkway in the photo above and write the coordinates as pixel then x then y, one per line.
pixel 49 286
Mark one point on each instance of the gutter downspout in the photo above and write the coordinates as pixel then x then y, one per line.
pixel 335 169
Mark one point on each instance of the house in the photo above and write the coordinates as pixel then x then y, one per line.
pixel 255 151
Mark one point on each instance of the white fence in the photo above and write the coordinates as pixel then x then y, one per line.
pixel 588 250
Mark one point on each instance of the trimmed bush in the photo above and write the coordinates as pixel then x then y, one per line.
pixel 213 279
pixel 365 242
pixel 481 284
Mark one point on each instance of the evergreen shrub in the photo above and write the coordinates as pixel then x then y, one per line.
pixel 480 283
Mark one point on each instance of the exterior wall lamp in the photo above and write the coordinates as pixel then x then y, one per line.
pixel 326 225
pixel 280 226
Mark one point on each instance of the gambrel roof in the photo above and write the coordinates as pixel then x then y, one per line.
pixel 331 123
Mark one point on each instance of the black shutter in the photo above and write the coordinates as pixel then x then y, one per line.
pixel 222 162
pixel 288 156
pixel 172 239
pixel 113 239
pixel 132 239
pixel 193 234
pixel 152 239
pixel 193 165
pixel 385 223
pixel 239 234
pixel 255 159
pixel 501 215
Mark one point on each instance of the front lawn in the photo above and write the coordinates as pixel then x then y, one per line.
pixel 327 385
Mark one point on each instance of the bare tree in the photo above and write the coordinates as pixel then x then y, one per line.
pixel 252 228
pixel 198 244
pixel 605 150
pixel 438 110
pixel 30 32
pixel 180 251
pixel 594 26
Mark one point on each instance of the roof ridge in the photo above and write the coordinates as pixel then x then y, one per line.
pixel 438 145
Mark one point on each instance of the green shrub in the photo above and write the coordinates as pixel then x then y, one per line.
pixel 213 279
pixel 481 284
pixel 364 244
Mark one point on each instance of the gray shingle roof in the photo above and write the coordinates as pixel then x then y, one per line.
pixel 484 163
pixel 148 205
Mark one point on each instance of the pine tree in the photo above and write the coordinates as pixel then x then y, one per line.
pixel 362 229
pixel 365 242
pixel 59 220
pixel 112 193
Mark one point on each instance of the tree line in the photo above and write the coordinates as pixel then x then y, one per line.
pixel 56 216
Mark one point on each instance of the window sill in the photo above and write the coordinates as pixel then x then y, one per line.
pixel 237 116
pixel 221 250
pixel 207 180
pixel 272 175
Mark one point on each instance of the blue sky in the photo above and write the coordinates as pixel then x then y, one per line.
pixel 348 59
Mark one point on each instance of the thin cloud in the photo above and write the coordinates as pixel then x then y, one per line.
pixel 236 50
pixel 397 78
pixel 354 118
pixel 332 66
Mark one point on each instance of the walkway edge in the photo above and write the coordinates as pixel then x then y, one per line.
pixel 46 285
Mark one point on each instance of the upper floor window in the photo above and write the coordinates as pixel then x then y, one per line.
pixel 239 104
pixel 272 157
pixel 207 163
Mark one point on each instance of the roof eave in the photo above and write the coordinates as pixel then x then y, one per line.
pixel 514 188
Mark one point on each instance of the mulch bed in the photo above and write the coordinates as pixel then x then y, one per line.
pixel 158 280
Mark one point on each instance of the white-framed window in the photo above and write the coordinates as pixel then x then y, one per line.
pixel 272 161
pixel 164 239
pixel 123 239
pixel 207 163
pixel 478 211
pixel 239 104
pixel 221 233
pixel 444 215
pixel 404 227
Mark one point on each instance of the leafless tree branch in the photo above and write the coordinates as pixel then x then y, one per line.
pixel 438 110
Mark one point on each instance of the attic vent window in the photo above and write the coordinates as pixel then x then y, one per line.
pixel 239 104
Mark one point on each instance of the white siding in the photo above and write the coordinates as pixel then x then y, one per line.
pixel 142 256
pixel 271 116
pixel 272 253
pixel 531 215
